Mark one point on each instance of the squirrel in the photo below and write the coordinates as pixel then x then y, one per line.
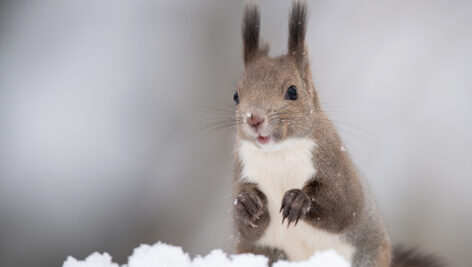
pixel 297 190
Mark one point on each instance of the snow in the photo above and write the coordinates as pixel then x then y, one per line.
pixel 327 258
pixel 94 260
pixel 164 255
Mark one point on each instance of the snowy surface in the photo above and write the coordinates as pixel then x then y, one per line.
pixel 164 255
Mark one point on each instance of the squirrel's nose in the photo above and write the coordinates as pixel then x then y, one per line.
pixel 254 120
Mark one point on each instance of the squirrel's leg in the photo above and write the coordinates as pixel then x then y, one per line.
pixel 373 255
pixel 326 206
pixel 250 212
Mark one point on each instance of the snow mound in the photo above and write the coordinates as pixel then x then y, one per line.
pixel 164 255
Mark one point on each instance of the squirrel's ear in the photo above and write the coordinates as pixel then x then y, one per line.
pixel 251 29
pixel 297 31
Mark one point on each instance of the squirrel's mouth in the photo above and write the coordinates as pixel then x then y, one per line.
pixel 263 140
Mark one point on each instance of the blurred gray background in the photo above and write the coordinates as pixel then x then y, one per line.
pixel 104 137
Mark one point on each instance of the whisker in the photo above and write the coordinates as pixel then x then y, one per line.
pixel 222 102
pixel 345 112
pixel 218 109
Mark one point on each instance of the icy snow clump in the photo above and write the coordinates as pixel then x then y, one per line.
pixel 163 255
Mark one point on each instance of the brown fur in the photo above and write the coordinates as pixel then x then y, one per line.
pixel 411 258
pixel 334 199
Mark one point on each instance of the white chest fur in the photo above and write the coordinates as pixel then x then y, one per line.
pixel 276 170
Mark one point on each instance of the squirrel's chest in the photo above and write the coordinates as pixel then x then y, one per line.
pixel 284 167
pixel 275 172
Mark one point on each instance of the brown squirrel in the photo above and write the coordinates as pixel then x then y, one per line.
pixel 296 188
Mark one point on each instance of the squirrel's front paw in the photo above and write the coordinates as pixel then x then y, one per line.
pixel 249 208
pixel 295 205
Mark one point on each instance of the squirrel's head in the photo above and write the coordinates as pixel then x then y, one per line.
pixel 275 97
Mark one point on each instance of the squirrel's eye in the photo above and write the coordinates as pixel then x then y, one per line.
pixel 291 93
pixel 236 97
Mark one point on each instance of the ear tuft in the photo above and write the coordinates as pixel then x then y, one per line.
pixel 297 29
pixel 251 29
